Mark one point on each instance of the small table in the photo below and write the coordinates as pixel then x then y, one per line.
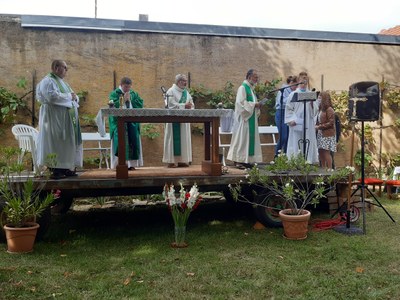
pixel 210 117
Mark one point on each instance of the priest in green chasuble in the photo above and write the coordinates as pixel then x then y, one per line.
pixel 129 99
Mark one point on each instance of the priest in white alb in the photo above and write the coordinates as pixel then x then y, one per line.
pixel 294 118
pixel 245 148
pixel 177 136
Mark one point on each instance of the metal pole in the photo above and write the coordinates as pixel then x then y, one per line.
pixel 33 96
pixel 322 82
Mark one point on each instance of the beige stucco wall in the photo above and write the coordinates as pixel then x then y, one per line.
pixel 153 59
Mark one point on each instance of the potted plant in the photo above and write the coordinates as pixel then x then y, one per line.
pixel 286 187
pixel 24 201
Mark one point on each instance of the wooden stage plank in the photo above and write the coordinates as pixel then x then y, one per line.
pixel 145 180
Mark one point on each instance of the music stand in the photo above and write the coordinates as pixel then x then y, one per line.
pixel 304 97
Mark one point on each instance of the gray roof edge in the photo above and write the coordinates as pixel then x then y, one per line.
pixel 71 22
pixel 201 29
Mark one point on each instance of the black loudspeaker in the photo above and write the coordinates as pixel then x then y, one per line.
pixel 364 101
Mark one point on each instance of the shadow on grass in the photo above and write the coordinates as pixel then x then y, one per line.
pixel 126 221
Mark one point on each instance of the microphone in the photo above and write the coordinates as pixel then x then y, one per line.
pixel 164 91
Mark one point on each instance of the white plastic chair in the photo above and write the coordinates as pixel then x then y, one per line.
pixel 26 137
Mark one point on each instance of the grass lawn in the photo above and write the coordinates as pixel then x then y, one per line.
pixel 121 254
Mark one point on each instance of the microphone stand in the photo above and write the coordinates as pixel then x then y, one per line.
pixel 166 97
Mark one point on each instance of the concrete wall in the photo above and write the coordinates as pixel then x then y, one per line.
pixel 152 59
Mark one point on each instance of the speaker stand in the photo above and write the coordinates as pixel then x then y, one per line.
pixel 363 188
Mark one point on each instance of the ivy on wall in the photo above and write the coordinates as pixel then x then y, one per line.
pixel 225 98
pixel 10 103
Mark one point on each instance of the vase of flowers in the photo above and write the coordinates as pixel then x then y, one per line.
pixel 180 208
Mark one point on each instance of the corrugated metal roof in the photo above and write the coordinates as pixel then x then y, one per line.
pixel 199 29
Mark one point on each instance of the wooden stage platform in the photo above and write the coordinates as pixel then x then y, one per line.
pixel 144 180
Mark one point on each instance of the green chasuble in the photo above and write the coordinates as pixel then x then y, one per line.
pixel 75 120
pixel 252 121
pixel 132 130
pixel 176 129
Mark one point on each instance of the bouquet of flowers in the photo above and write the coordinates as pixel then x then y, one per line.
pixel 180 208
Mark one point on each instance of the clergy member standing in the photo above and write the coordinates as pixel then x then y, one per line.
pixel 294 118
pixel 177 136
pixel 59 129
pixel 245 143
pixel 126 98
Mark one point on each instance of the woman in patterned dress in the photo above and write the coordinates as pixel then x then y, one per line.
pixel 326 132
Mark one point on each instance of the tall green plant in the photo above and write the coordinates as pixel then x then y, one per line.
pixel 23 197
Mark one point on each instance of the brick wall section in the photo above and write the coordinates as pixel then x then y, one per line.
pixel 153 60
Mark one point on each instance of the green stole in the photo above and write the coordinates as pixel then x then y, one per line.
pixel 176 129
pixel 252 121
pixel 75 121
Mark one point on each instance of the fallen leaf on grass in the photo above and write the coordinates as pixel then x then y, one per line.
pixel 280 256
pixel 63 255
pixel 246 233
pixel 67 274
pixel 17 283
pixel 359 270
pixel 127 281
pixel 140 281
pixel 29 272
pixel 56 295
pixel 189 274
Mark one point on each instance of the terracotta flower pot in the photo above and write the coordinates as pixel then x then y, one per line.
pixel 295 227
pixel 21 240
